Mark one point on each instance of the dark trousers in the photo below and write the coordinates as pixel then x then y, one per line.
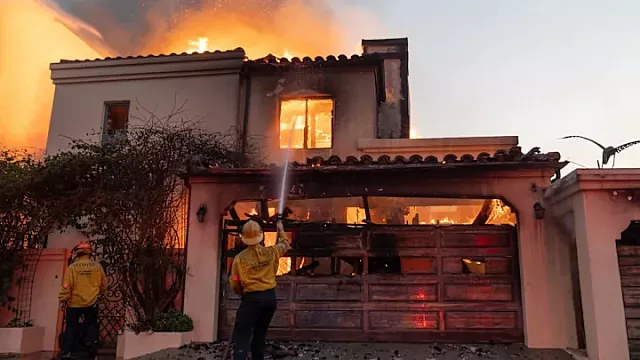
pixel 252 322
pixel 87 330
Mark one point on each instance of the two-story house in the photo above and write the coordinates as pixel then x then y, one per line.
pixel 396 239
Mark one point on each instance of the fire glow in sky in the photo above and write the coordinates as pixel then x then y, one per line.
pixel 35 33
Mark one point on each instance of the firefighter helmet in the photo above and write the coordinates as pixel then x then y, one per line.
pixel 251 233
pixel 83 248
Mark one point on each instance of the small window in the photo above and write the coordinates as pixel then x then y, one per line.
pixel 116 118
pixel 306 123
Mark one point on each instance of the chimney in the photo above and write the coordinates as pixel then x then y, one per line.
pixel 393 114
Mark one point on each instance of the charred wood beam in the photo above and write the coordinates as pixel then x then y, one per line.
pixel 485 212
pixel 367 211
pixel 307 268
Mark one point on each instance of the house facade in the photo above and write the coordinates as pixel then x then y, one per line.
pixel 395 239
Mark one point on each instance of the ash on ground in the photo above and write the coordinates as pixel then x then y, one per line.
pixel 368 351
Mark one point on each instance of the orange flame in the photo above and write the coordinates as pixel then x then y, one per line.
pixel 33 36
pixel 293 29
pixel 30 39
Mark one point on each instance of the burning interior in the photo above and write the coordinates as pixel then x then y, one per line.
pixel 355 215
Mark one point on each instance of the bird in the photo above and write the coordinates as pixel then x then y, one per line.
pixel 607 152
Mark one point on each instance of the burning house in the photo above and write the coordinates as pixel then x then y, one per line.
pixel 395 239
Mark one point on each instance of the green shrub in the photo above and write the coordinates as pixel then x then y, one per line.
pixel 19 323
pixel 172 321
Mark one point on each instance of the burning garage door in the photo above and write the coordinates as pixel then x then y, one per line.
pixel 385 281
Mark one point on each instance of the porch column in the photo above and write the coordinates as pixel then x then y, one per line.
pixel 537 302
pixel 602 305
pixel 203 265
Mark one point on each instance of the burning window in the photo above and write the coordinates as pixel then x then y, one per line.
pixel 306 123
pixel 339 210
pixel 116 118
pixel 439 211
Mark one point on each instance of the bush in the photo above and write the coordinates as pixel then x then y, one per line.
pixel 19 323
pixel 172 321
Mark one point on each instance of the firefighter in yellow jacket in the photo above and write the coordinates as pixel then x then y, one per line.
pixel 83 282
pixel 253 277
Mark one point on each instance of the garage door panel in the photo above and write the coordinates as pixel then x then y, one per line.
pixel 480 320
pixel 403 320
pixel 403 292
pixel 327 292
pixel 411 287
pixel 280 318
pixel 331 319
pixel 476 252
pixel 475 239
pixel 400 239
pixel 496 265
pixel 418 265
pixel 475 292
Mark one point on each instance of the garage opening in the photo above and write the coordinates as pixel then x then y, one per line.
pixel 394 269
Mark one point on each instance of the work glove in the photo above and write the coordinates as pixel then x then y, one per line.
pixel 279 226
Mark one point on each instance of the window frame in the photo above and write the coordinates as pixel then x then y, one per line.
pixel 105 113
pixel 306 113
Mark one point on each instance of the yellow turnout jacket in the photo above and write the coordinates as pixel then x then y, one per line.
pixel 83 282
pixel 255 268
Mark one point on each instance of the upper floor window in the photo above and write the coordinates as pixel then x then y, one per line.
pixel 116 118
pixel 306 123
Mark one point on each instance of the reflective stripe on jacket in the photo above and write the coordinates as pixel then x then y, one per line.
pixel 83 282
pixel 255 268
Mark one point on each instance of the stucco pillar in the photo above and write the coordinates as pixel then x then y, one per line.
pixel 537 304
pixel 559 274
pixel 203 264
pixel 602 305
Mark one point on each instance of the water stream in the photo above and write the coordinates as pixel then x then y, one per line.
pixel 285 171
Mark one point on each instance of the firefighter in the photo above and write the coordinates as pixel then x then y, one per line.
pixel 253 277
pixel 83 282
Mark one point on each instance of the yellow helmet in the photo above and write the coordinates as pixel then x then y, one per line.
pixel 83 248
pixel 251 233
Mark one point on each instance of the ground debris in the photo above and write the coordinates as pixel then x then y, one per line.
pixel 287 350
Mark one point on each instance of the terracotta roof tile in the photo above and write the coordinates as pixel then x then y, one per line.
pixel 272 60
pixel 513 155
pixel 267 60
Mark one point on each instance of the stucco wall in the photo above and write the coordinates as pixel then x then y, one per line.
pixel 355 110
pixel 584 206
pixel 79 108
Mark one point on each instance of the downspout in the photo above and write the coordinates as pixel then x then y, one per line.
pixel 245 121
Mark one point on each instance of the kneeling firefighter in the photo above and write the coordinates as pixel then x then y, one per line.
pixel 253 277
pixel 83 282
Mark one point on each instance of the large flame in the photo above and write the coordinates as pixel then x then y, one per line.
pixel 284 29
pixel 31 39
pixel 35 33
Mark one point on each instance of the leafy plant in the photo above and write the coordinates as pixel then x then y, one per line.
pixel 16 322
pixel 172 321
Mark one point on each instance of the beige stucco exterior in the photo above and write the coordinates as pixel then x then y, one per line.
pixel 204 86
pixel 586 210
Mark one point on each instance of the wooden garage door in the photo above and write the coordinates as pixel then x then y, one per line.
pixel 395 283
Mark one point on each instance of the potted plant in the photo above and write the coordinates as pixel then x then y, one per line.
pixel 171 329
pixel 20 336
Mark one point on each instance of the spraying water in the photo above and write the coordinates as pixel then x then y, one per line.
pixel 283 186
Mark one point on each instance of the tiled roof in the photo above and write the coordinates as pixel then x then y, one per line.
pixel 184 54
pixel 272 60
pixel 513 158
pixel 512 155
pixel 269 60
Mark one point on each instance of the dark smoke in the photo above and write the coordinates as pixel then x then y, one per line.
pixel 127 25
